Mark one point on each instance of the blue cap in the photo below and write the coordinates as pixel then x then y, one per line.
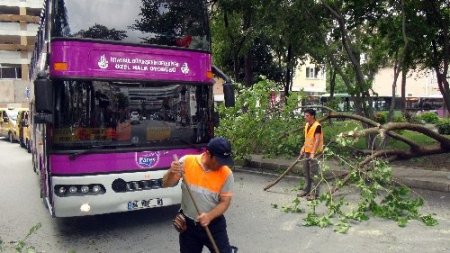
pixel 220 148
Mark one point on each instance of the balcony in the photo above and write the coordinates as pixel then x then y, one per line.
pixel 19 18
pixel 24 3
pixel 16 47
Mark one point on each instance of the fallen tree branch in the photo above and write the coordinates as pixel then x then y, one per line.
pixel 284 173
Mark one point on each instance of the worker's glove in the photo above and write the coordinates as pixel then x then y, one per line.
pixel 179 223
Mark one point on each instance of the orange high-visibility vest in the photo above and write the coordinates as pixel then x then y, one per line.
pixel 309 138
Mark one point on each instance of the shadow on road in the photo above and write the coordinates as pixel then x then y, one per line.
pixel 91 225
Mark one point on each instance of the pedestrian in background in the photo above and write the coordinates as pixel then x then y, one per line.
pixel 312 146
pixel 211 182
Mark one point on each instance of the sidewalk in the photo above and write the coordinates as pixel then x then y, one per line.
pixel 412 177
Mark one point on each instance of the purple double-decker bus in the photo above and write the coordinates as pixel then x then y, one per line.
pixel 119 88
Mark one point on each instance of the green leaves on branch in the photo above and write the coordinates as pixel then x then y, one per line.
pixel 21 245
pixel 260 123
pixel 379 196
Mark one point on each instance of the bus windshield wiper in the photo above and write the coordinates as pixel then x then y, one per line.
pixel 97 147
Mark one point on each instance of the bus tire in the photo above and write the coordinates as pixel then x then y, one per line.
pixel 22 143
pixel 28 146
pixel 33 160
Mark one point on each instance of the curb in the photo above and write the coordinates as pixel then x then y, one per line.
pixel 426 185
pixel 412 178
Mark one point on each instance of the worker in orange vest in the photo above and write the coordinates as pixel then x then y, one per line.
pixel 312 146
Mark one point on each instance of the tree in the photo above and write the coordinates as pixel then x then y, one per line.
pixel 101 32
pixel 165 23
pixel 436 36
pixel 240 44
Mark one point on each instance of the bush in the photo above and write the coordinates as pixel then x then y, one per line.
pixel 429 117
pixel 411 118
pixel 381 117
pixel 443 126
pixel 399 118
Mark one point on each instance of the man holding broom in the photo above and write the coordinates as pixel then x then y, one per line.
pixel 207 189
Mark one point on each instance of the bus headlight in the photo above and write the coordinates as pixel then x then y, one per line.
pixel 73 189
pixel 84 189
pixel 96 189
pixel 78 190
pixel 61 190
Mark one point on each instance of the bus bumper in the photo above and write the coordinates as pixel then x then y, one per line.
pixel 111 201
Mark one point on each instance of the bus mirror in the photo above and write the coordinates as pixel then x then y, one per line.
pixel 43 118
pixel 43 94
pixel 228 92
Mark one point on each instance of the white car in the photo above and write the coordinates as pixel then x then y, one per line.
pixel 134 117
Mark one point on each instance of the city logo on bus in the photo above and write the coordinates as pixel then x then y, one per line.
pixel 185 68
pixel 147 159
pixel 102 62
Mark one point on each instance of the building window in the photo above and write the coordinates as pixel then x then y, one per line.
pixel 10 71
pixel 316 72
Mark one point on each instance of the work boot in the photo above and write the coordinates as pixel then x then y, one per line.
pixel 308 180
pixel 302 193
pixel 313 194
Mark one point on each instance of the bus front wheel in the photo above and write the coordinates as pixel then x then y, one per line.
pixel 28 146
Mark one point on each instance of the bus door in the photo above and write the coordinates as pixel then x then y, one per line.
pixel 42 165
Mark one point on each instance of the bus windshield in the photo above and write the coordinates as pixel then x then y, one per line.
pixel 99 113
pixel 157 22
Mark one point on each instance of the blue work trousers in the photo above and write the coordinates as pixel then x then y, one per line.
pixel 194 238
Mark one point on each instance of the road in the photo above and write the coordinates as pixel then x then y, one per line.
pixel 254 226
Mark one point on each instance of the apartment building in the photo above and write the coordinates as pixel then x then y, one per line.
pixel 418 83
pixel 310 78
pixel 19 21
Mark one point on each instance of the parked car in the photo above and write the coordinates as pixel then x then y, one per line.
pixel 8 124
pixel 23 119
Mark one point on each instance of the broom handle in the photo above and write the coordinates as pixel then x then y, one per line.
pixel 208 232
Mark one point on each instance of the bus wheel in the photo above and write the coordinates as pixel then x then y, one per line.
pixel 28 146
pixel 35 166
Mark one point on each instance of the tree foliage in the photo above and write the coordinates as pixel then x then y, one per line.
pixel 102 32
pixel 257 123
pixel 353 38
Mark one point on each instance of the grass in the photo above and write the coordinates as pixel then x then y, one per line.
pixel 349 125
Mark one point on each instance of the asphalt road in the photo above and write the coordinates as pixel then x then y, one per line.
pixel 254 225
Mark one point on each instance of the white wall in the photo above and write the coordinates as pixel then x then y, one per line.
pixel 308 84
pixel 23 3
pixel 418 84
pixel 13 57
pixel 13 28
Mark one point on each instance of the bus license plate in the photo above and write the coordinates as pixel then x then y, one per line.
pixel 149 203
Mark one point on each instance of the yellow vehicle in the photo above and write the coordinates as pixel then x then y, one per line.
pixel 23 120
pixel 8 123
